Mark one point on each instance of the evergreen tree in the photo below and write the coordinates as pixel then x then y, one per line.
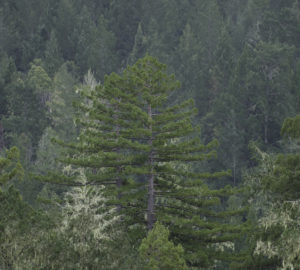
pixel 224 124
pixel 275 205
pixel 139 47
pixel 125 26
pixel 17 220
pixel 95 45
pixel 65 30
pixel 13 210
pixel 52 55
pixel 10 166
pixel 273 76
pixel 7 67
pixel 176 195
pixel 260 204
pixel 40 82
pixel 157 252
pixel 26 115
pixel 88 228
pixel 64 93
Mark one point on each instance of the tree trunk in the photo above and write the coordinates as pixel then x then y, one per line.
pixel 2 145
pixel 234 169
pixel 151 191
pixel 119 180
pixel 266 122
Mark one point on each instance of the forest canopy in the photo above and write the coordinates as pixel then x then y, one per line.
pixel 149 134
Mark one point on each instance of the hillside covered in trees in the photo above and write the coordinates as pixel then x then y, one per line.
pixel 149 134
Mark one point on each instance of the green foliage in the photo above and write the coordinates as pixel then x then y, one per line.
pixel 39 80
pixel 6 69
pixel 87 228
pixel 291 127
pixel 95 45
pixel 284 179
pixel 10 166
pixel 283 182
pixel 136 145
pixel 77 233
pixel 282 225
pixel 27 113
pixel 260 203
pixel 278 181
pixel 237 59
pixel 158 253
pixel 60 110
pixel 16 222
pixel 200 42
pixel 52 55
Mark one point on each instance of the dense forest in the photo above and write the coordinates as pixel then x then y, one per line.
pixel 153 135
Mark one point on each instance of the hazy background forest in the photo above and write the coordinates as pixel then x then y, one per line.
pixel 238 60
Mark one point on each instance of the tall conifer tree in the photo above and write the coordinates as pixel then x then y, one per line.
pixel 177 193
pixel 139 147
